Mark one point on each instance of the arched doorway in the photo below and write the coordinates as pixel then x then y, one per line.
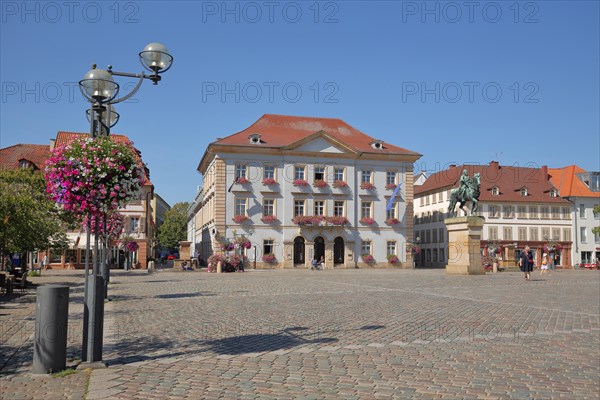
pixel 338 250
pixel 319 248
pixel 299 250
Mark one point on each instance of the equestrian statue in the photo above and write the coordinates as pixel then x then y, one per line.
pixel 467 191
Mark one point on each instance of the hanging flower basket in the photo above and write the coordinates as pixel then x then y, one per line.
pixel 339 184
pixel 368 258
pixel 228 246
pixel 114 224
pixel 269 258
pixel 269 219
pixel 300 182
pixel 268 181
pixel 367 186
pixel 367 221
pixel 93 176
pixel 552 247
pixel 337 220
pixel 238 219
pixel 392 221
pixel 393 259
pixel 320 183
pixel 412 248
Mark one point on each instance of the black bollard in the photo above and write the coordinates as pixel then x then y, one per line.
pixel 51 321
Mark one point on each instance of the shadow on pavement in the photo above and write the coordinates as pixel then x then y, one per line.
pixel 182 295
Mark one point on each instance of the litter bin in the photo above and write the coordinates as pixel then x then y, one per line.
pixel 51 320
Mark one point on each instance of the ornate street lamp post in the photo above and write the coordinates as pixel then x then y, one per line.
pixel 101 90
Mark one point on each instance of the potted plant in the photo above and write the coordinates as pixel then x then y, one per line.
pixel 300 182
pixel 320 183
pixel 268 181
pixel 393 259
pixel 269 219
pixel 390 186
pixel 241 180
pixel 339 184
pixel 238 219
pixel 269 258
pixel 368 258
pixel 367 221
pixel 367 186
pixel 392 221
pixel 337 220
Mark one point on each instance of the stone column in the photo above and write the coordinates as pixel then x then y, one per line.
pixel 464 237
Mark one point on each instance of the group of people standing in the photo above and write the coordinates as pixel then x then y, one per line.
pixel 526 263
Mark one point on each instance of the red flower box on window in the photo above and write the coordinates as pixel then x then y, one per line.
pixel 368 258
pixel 241 180
pixel 367 186
pixel 307 220
pixel 300 182
pixel 337 220
pixel 268 181
pixel 269 258
pixel 392 221
pixel 320 183
pixel 367 221
pixel 238 219
pixel 390 186
pixel 269 219
pixel 393 259
pixel 339 184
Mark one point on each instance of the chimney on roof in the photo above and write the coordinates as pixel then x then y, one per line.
pixel 495 164
pixel 52 144
pixel 545 172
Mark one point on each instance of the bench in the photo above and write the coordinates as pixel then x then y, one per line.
pixel 20 283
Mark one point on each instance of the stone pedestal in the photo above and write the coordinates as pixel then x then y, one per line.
pixel 185 250
pixel 464 237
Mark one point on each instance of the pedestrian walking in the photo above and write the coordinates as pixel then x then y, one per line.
pixel 314 263
pixel 45 262
pixel 524 263
pixel 544 265
pixel 322 263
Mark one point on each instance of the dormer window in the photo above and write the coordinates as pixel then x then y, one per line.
pixel 24 164
pixel 553 193
pixel 495 191
pixel 377 144
pixel 524 191
pixel 254 138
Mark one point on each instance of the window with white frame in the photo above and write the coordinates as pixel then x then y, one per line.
pixel 240 206
pixel 268 246
pixel 566 234
pixel 365 247
pixel 596 238
pixel 338 174
pixel 240 170
pixel 495 191
pixel 555 233
pixel 534 233
pixel 553 193
pixel 583 234
pixel 521 212
pixel 555 212
pixel 268 206
pixel 134 224
pixel 338 208
pixel 596 215
pixel 494 211
pixel 522 233
pixel 440 197
pixel 269 172
pixel 507 211
pixel 391 213
pixel 493 233
pixel 319 207
pixel 390 177
pixel 391 248
pixel 545 212
pixel 299 172
pixel 546 233
pixel 319 173
pixel 524 191
pixel 582 211
pixel 365 209
pixel 366 176
pixel 507 233
pixel 533 212
pixel 298 207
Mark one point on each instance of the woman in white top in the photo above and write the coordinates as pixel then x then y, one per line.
pixel 544 264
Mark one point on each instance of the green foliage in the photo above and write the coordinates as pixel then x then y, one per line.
pixel 174 228
pixel 28 219
pixel 596 230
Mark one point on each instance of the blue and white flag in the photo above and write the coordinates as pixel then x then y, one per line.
pixel 390 203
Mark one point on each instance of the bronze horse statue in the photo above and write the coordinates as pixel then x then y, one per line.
pixel 468 191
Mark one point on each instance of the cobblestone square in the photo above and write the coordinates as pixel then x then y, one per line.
pixel 343 334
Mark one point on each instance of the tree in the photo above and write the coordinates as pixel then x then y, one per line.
pixel 174 228
pixel 28 219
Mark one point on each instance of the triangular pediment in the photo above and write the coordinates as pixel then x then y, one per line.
pixel 320 142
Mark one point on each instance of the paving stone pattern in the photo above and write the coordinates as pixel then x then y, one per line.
pixel 347 334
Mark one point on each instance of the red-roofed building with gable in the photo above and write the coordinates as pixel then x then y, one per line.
pixel 305 187
pixel 521 207
pixel 137 215
pixel 582 189
pixel 24 156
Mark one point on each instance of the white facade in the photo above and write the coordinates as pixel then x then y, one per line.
pixel 587 245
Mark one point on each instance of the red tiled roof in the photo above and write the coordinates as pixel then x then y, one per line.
pixel 37 154
pixel 568 184
pixel 64 138
pixel 509 181
pixel 283 130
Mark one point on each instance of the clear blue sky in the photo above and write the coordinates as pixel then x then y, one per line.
pixel 516 82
